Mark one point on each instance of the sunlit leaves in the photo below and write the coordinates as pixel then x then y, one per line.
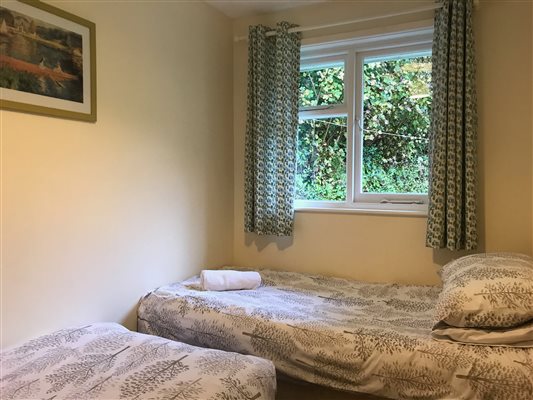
pixel 321 159
pixel 322 86
pixel 395 122
pixel 396 118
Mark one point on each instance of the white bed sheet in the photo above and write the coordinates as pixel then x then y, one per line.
pixel 106 361
pixel 348 335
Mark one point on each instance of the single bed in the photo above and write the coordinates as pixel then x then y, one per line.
pixel 107 361
pixel 347 335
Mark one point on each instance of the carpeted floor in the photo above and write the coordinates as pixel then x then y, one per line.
pixel 289 389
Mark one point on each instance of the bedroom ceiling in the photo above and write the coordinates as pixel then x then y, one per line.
pixel 242 8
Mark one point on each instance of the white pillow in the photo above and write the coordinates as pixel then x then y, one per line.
pixel 486 291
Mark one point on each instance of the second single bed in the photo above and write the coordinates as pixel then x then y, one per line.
pixel 106 361
pixel 347 335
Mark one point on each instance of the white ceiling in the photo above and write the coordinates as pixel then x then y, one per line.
pixel 243 8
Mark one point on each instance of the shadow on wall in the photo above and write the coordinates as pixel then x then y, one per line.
pixel 444 256
pixel 282 242
pixel 440 256
pixel 129 320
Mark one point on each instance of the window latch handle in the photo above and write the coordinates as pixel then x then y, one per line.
pixel 385 201
pixel 316 108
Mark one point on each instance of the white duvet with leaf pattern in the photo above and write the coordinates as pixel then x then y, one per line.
pixel 106 361
pixel 348 335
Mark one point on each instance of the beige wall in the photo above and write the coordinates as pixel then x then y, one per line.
pixel 504 48
pixel 389 248
pixel 95 215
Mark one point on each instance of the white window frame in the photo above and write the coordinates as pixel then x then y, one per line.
pixel 353 53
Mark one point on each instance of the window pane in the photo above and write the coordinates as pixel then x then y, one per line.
pixel 321 159
pixel 322 86
pixel 396 117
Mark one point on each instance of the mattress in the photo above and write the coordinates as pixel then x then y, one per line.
pixel 347 335
pixel 106 361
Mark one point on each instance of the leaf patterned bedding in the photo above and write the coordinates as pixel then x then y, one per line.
pixel 347 335
pixel 107 361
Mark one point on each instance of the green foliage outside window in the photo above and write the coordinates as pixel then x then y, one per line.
pixel 321 159
pixel 321 154
pixel 396 117
pixel 396 111
pixel 322 86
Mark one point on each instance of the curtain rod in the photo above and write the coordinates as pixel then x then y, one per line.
pixel 353 21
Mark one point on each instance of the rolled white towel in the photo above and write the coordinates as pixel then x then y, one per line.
pixel 229 280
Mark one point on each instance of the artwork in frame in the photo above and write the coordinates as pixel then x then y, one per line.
pixel 47 61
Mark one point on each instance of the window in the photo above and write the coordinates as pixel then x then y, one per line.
pixel 364 125
pixel 322 132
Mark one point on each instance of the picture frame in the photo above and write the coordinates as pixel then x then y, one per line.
pixel 47 61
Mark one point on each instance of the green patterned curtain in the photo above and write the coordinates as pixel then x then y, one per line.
pixel 272 124
pixel 452 192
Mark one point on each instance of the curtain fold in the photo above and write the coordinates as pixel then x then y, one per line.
pixel 271 131
pixel 452 186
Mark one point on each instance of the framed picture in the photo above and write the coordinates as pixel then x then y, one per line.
pixel 47 61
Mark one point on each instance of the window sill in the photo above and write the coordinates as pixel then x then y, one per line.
pixel 364 211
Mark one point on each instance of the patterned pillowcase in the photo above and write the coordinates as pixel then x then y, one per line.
pixel 486 290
